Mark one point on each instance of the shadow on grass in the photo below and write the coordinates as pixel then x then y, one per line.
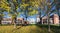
pixel 20 26
pixel 54 29
pixel 6 24
pixel 17 28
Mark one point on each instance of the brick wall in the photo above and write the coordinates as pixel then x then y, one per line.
pixel 56 19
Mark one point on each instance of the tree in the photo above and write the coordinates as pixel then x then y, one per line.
pixel 39 6
pixel 57 2
pixel 1 14
pixel 49 11
pixel 14 5
pixel 28 8
pixel 3 8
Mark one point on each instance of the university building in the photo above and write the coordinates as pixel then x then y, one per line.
pixel 9 21
pixel 54 19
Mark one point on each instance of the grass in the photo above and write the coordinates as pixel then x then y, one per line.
pixel 29 29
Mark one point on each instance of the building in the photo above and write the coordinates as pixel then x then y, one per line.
pixel 9 20
pixel 44 20
pixel 59 19
pixel 18 21
pixel 54 19
pixel 38 19
pixel 6 21
pixel 32 21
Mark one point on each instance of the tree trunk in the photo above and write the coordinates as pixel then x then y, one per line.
pixel 40 20
pixel 12 21
pixel 40 16
pixel 15 19
pixel 1 19
pixel 25 22
pixel 48 23
pixel 26 18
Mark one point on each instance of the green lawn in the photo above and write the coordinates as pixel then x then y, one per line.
pixel 29 29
